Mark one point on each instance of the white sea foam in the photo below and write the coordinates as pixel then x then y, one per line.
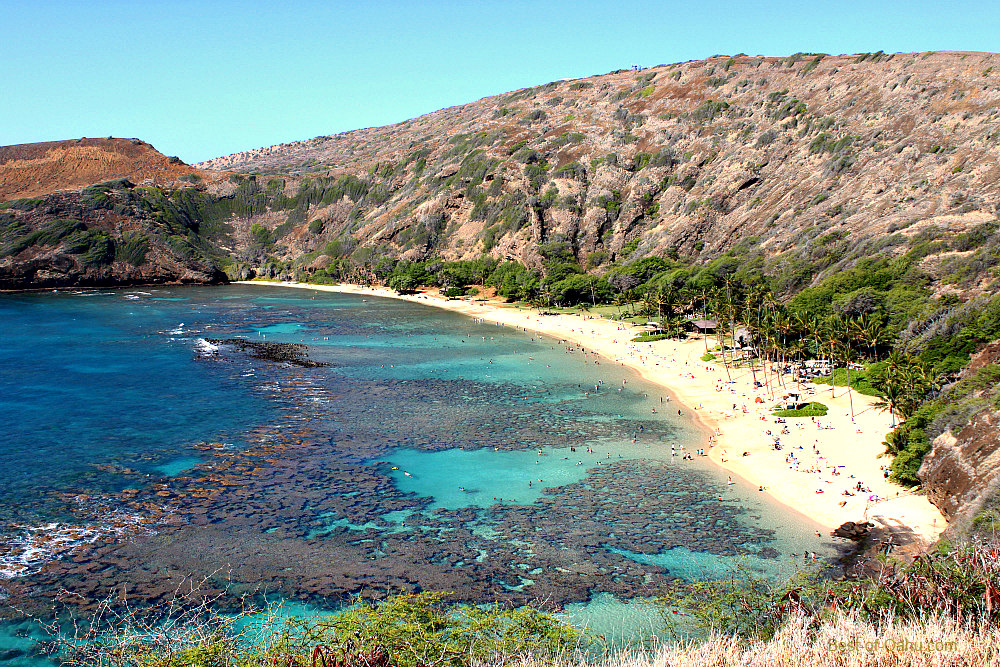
pixel 202 346
pixel 33 546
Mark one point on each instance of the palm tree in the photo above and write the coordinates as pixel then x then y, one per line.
pixel 828 336
pixel 892 393
pixel 722 311
pixel 871 330
pixel 847 354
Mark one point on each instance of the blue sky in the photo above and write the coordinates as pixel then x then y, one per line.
pixel 199 79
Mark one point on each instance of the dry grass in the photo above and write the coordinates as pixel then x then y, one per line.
pixel 844 641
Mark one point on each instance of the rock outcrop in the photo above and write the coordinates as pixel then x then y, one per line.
pixel 94 238
pixel 962 470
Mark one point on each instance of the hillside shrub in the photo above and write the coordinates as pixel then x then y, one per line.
pixel 573 170
pixel 20 204
pixel 101 250
pixel 50 233
pixel 132 248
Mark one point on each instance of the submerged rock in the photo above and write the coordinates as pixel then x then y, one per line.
pixel 291 353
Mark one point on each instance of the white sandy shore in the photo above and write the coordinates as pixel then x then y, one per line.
pixel 806 485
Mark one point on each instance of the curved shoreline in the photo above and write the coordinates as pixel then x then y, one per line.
pixel 843 445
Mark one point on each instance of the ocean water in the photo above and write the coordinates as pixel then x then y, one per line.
pixel 433 452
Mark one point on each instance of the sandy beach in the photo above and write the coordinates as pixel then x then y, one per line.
pixel 821 461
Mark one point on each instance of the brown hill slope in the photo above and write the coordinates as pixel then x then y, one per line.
pixel 30 170
pixel 800 157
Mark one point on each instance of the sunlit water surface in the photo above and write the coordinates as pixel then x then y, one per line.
pixel 433 452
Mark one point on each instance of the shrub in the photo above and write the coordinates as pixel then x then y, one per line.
pixel 261 235
pixel 132 249
pixel 573 170
pixel 743 605
pixel 101 250
pixel 708 110
pixel 708 356
pixel 402 631
pixel 811 410
pixel 649 338
pixel 49 234
pixel 21 204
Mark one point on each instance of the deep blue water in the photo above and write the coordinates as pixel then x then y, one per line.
pixel 97 378
pixel 433 452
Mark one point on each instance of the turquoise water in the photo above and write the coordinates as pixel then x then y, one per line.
pixel 483 477
pixel 138 455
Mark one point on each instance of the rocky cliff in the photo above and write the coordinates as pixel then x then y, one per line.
pixel 71 215
pixel 107 234
pixel 961 473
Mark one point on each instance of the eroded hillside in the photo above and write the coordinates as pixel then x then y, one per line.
pixel 30 170
pixel 806 161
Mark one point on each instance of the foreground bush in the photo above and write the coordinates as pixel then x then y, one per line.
pixel 400 631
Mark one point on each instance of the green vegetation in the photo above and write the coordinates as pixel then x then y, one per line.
pixel 17 238
pixel 573 170
pixel 101 250
pixel 568 137
pixel 708 111
pixel 957 583
pixel 649 338
pixel 811 410
pixel 132 248
pixel 860 382
pixel 402 630
pixel 20 204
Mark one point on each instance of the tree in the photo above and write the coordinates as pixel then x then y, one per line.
pixel 870 329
